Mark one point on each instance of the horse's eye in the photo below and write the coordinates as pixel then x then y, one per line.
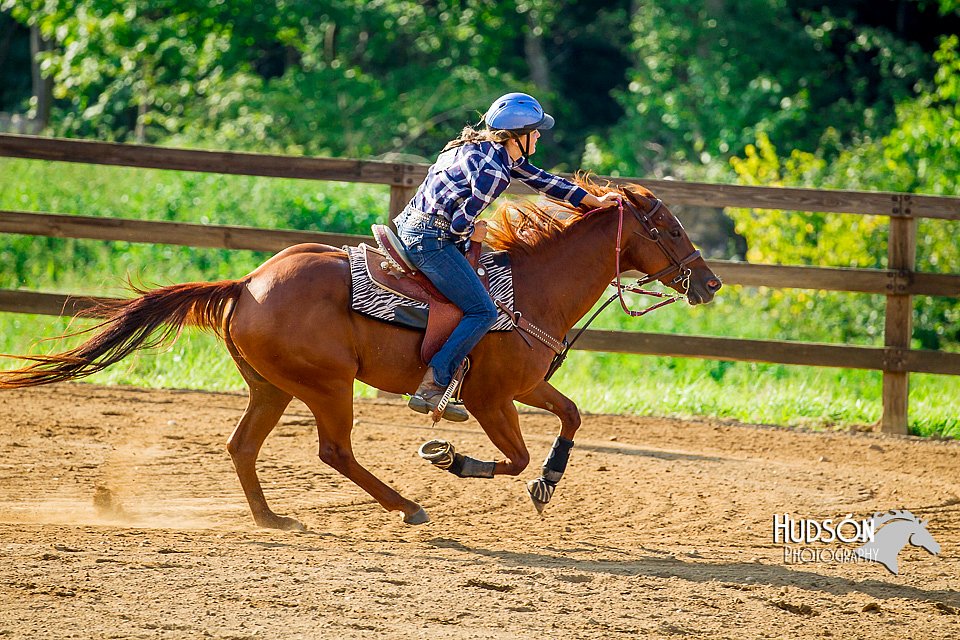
pixel 675 233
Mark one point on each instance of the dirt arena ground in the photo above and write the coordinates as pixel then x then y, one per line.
pixel 660 529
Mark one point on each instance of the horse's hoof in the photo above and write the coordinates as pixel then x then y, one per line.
pixel 282 523
pixel 535 490
pixel 439 453
pixel 294 525
pixel 420 517
pixel 539 506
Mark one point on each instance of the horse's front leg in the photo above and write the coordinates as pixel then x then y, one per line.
pixel 545 396
pixel 501 423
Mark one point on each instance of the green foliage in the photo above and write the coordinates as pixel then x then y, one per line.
pixel 794 237
pixel 285 75
pixel 921 153
pixel 639 88
pixel 709 78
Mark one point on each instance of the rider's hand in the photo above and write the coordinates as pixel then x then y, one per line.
pixel 479 231
pixel 607 199
pixel 610 198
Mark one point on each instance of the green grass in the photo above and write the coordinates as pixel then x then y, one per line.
pixel 810 397
pixel 197 360
pixel 613 383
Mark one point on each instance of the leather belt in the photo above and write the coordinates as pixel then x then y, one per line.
pixel 411 214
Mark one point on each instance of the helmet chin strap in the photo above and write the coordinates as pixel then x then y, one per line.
pixel 524 147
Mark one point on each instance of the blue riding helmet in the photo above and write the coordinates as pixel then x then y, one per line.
pixel 517 112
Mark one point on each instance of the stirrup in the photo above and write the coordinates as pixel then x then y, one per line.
pixel 452 411
pixel 452 393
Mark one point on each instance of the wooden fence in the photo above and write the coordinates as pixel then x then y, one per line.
pixel 899 282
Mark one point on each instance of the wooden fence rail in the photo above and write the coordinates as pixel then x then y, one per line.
pixel 899 283
pixel 658 344
pixel 877 281
pixel 406 175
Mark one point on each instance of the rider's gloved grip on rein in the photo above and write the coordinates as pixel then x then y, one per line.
pixel 556 462
pixel 467 467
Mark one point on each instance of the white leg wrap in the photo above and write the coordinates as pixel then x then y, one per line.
pixel 541 491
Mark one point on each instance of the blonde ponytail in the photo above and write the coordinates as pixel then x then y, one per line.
pixel 469 135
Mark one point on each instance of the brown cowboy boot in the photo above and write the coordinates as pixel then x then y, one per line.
pixel 427 396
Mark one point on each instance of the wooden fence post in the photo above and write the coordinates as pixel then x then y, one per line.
pixel 402 190
pixel 400 195
pixel 898 329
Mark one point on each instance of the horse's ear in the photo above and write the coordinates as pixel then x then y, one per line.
pixel 641 202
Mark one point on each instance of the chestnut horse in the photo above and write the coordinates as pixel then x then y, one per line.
pixel 290 330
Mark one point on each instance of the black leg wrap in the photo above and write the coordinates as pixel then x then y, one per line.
pixel 556 462
pixel 467 467
pixel 541 490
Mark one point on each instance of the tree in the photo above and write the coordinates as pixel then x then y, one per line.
pixel 920 154
pixel 348 77
pixel 708 77
pixel 15 62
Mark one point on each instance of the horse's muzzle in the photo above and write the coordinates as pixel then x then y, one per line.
pixel 702 293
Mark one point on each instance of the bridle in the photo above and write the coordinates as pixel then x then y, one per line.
pixel 680 265
pixel 677 264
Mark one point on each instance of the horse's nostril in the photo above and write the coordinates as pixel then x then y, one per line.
pixel 714 285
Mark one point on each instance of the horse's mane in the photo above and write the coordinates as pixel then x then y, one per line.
pixel 520 226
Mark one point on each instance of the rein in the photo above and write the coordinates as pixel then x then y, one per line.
pixel 677 264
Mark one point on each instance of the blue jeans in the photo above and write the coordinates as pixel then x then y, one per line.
pixel 437 256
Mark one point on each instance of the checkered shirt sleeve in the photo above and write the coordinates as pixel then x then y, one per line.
pixel 465 180
pixel 547 183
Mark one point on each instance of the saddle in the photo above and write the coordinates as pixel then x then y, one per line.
pixel 391 268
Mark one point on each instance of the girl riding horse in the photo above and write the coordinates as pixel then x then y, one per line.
pixel 441 220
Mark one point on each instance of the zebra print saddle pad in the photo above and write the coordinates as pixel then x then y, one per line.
pixel 370 299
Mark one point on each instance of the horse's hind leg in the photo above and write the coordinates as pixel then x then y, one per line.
pixel 332 406
pixel 545 396
pixel 265 406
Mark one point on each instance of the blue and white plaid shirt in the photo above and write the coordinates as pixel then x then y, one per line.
pixel 466 179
